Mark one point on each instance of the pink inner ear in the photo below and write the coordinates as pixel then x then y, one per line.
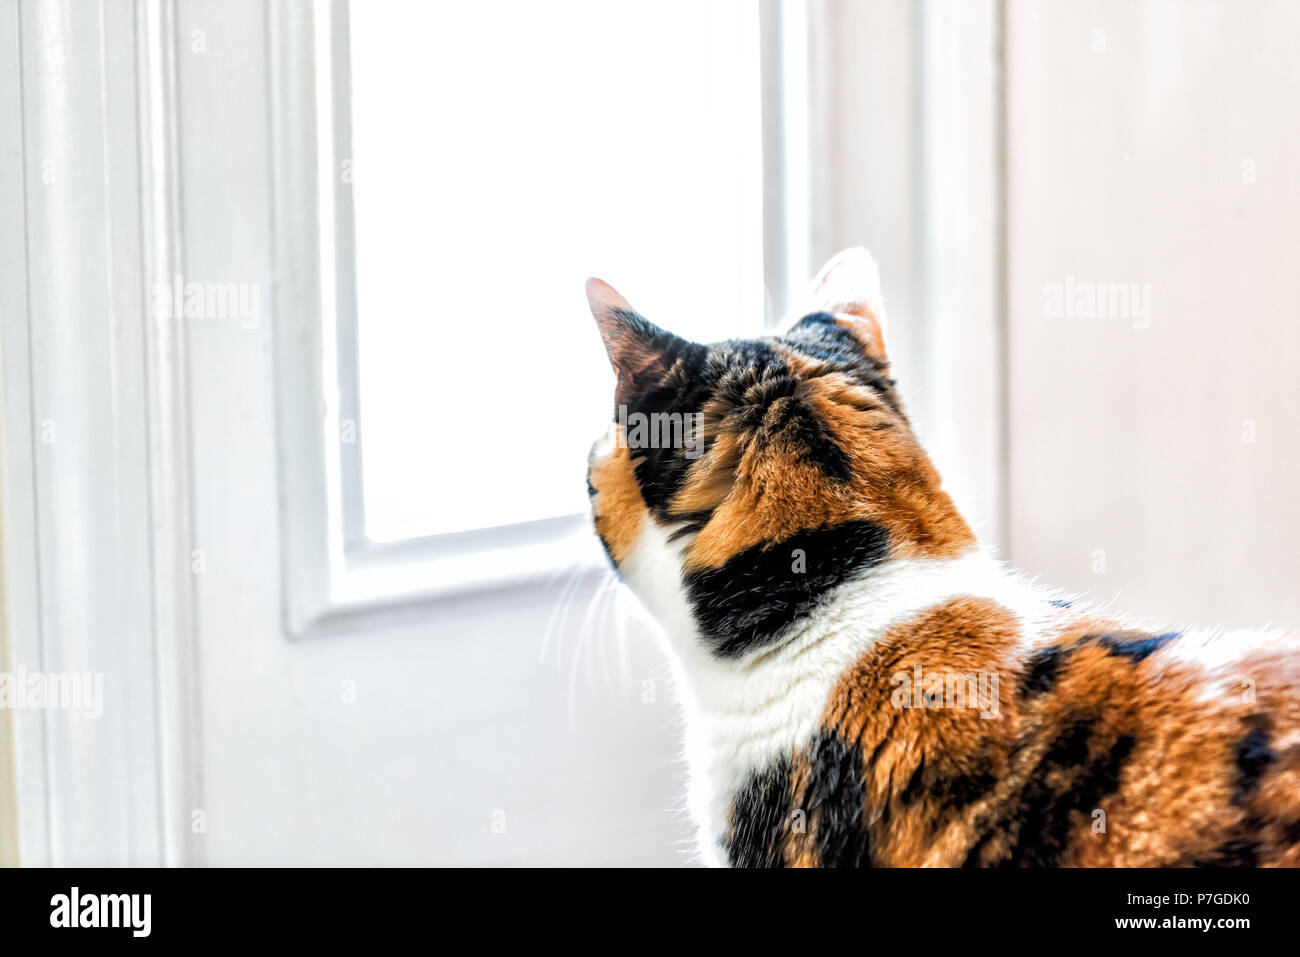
pixel 608 308
pixel 827 276
pixel 634 361
pixel 850 283
pixel 602 297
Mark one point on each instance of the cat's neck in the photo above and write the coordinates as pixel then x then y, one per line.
pixel 833 634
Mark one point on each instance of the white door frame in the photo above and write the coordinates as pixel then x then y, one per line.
pixel 95 474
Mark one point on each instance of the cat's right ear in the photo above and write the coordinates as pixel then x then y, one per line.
pixel 848 287
pixel 640 352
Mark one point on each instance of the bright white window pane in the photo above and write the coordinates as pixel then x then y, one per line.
pixel 504 152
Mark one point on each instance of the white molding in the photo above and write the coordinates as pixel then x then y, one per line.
pixel 170 473
pixel 22 742
pixel 787 145
pixel 906 135
pixel 96 522
pixel 299 346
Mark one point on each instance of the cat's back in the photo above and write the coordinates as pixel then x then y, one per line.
pixel 986 732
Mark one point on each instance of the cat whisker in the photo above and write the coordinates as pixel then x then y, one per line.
pixel 557 620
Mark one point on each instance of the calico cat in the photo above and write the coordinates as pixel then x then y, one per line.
pixel 863 685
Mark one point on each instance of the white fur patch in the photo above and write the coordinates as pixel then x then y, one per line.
pixel 1218 653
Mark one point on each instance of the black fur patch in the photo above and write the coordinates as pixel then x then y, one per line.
pixel 1233 853
pixel 819 336
pixel 690 524
pixel 790 420
pixel 767 816
pixel 746 376
pixel 749 601
pixel 1076 772
pixel 1254 754
pixel 948 788
pixel 1042 671
pixel 760 818
pixel 833 801
pixel 1133 647
pixel 682 390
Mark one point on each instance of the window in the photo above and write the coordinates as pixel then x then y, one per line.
pixel 445 177
pixel 501 153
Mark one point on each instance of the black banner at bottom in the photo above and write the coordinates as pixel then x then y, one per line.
pixel 335 906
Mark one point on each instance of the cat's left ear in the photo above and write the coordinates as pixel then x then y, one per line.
pixel 848 287
pixel 640 352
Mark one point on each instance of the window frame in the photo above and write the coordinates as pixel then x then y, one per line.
pixel 334 577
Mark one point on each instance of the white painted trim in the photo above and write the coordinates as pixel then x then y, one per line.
pixel 97 524
pixel 796 179
pixel 81 512
pixel 300 362
pixel 22 743
pixel 170 475
pixel 332 577
pixel 787 142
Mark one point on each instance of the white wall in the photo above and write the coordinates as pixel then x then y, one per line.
pixel 984 150
pixel 1158 142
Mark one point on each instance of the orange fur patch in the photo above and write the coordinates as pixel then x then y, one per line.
pixel 763 493
pixel 619 510
pixel 969 636
pixel 1176 797
pixel 863 325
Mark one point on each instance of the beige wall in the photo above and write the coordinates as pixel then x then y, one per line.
pixel 1164 149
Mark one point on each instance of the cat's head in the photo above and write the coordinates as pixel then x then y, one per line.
pixel 741 481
